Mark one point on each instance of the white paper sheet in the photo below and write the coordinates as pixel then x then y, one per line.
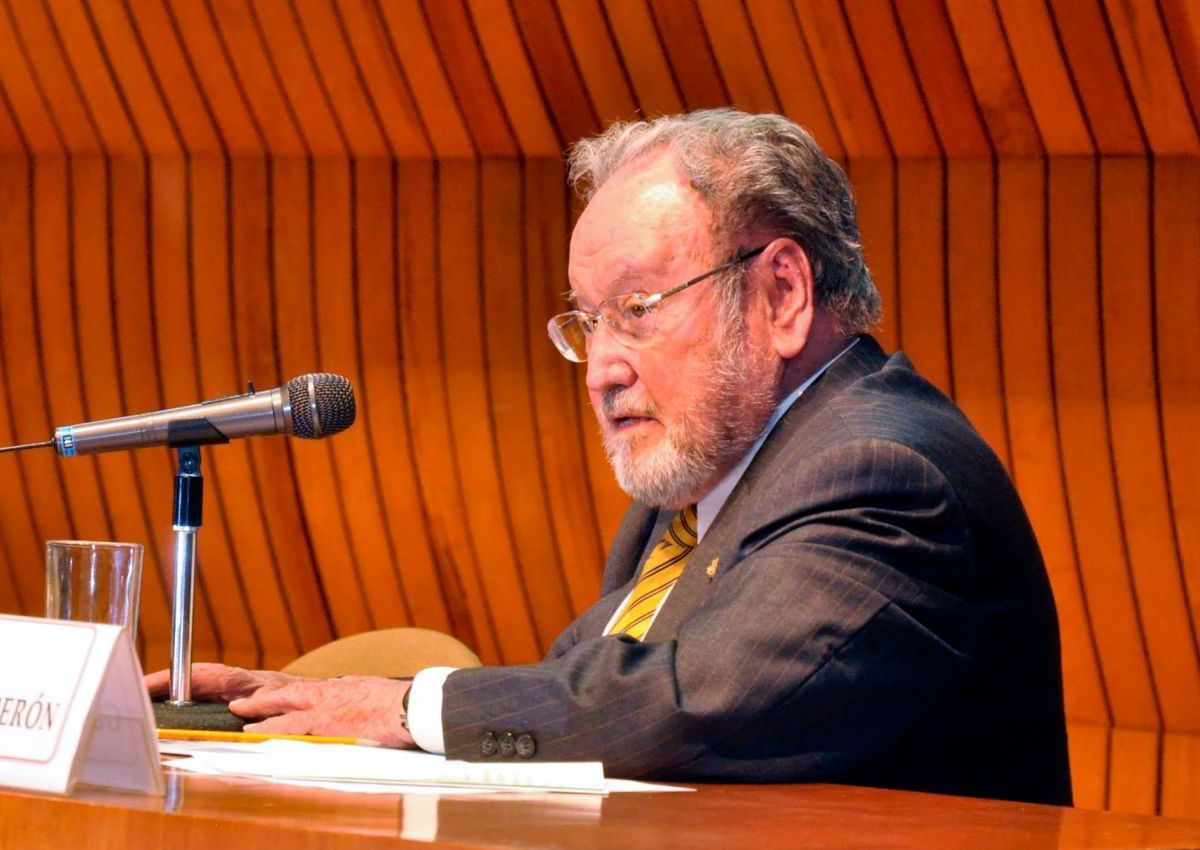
pixel 372 770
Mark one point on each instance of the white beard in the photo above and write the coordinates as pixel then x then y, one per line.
pixel 703 441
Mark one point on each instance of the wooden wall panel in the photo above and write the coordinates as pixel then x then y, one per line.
pixel 423 388
pixel 193 195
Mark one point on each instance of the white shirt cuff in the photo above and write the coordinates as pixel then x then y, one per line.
pixel 425 708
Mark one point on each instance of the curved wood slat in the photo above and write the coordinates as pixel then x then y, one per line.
pixel 827 36
pixel 921 273
pixel 1045 79
pixel 388 93
pixel 1182 21
pixel 122 52
pixel 1149 70
pixel 506 296
pixel 307 97
pixel 474 90
pixel 157 35
pixel 383 417
pixel 1176 301
pixel 18 539
pixel 945 87
pixel 1087 452
pixel 410 40
pixel 739 56
pixel 100 372
pixel 351 489
pixel 400 556
pixel 325 41
pixel 30 476
pixel 256 77
pixel 207 56
pixel 600 69
pixel 1096 76
pixel 136 334
pixel 1180 785
pixel 425 379
pixel 245 600
pixel 874 182
pixel 689 54
pixel 778 35
pixel 1133 405
pixel 55 79
pixel 557 70
pixel 522 98
pixel 1037 432
pixel 1091 757
pixel 890 76
pixel 57 329
pixel 281 566
pixel 293 204
pixel 973 299
pixel 1133 771
pixel 30 112
pixel 174 329
pixel 463 316
pixel 340 204
pixel 643 57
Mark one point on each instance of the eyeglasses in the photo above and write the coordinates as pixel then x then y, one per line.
pixel 630 316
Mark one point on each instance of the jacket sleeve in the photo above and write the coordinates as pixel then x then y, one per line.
pixel 844 619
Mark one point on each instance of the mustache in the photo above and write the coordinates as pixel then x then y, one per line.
pixel 615 405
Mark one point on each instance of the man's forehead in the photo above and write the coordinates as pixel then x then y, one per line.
pixel 639 224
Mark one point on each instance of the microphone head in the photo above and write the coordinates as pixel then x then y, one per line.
pixel 322 405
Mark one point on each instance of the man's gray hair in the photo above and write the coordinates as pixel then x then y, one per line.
pixel 757 173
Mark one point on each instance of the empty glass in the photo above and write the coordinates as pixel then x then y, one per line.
pixel 94 581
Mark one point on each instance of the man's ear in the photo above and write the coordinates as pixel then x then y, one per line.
pixel 790 295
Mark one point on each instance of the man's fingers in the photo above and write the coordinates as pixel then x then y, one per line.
pixel 208 681
pixel 273 699
pixel 158 683
pixel 296 723
pixel 218 682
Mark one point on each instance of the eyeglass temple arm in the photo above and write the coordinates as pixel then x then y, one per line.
pixel 652 300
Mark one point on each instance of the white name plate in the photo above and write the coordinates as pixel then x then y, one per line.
pixel 73 709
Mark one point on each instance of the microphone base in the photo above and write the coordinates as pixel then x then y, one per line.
pixel 206 716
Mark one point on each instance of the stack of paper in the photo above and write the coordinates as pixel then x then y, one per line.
pixel 393 770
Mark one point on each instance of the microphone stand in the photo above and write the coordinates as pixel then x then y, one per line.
pixel 188 513
pixel 179 712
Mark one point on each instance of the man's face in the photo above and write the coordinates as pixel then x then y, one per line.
pixel 677 414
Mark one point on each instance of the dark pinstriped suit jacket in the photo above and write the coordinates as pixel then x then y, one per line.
pixel 880 615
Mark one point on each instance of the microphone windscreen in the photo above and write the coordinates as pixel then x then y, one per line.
pixel 322 404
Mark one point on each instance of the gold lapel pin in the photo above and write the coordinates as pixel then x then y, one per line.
pixel 711 569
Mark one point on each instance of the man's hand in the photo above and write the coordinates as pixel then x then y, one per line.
pixel 353 706
pixel 218 683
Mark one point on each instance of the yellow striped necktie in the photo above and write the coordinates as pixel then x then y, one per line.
pixel 659 574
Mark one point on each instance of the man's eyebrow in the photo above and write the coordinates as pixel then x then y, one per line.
pixel 625 277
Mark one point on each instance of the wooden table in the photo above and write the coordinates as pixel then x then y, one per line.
pixel 232 814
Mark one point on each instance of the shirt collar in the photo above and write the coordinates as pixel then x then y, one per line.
pixel 708 507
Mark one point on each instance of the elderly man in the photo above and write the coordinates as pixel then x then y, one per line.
pixel 825 573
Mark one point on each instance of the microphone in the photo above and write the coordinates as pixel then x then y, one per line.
pixel 311 406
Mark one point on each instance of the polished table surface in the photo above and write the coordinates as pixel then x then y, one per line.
pixel 225 813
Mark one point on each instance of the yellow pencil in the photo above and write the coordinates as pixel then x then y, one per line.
pixel 251 737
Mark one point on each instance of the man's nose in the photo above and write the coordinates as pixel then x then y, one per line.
pixel 608 363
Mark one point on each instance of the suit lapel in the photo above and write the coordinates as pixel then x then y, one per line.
pixel 719 550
